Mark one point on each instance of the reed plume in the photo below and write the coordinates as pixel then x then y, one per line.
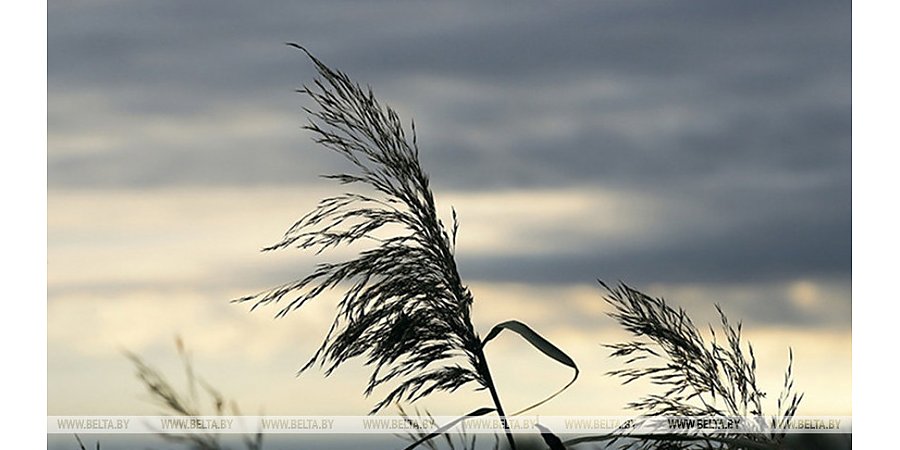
pixel 697 377
pixel 404 310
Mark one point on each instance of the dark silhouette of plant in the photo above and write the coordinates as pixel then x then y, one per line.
pixel 698 378
pixel 81 443
pixel 552 440
pixel 167 396
pixel 463 440
pixel 405 310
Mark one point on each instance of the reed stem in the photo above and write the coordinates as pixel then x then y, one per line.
pixel 489 381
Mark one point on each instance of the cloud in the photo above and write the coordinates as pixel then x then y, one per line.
pixel 207 235
pixel 582 93
pixel 737 111
pixel 758 234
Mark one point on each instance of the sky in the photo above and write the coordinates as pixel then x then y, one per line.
pixel 699 151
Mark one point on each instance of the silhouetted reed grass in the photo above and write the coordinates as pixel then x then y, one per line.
pixel 81 443
pixel 405 311
pixel 461 440
pixel 696 377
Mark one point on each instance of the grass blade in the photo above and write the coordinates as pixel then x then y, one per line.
pixel 451 424
pixel 545 347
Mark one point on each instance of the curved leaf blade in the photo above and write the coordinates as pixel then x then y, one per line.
pixel 543 345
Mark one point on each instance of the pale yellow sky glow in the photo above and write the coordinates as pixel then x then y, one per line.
pixel 129 270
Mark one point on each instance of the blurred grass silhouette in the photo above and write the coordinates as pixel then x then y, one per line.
pixel 188 402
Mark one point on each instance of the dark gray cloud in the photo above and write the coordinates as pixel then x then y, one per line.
pixel 774 251
pixel 718 232
pixel 733 106
pixel 759 83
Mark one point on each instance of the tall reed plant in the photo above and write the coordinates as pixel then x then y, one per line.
pixel 405 311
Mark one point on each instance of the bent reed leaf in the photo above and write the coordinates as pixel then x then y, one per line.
pixel 543 345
